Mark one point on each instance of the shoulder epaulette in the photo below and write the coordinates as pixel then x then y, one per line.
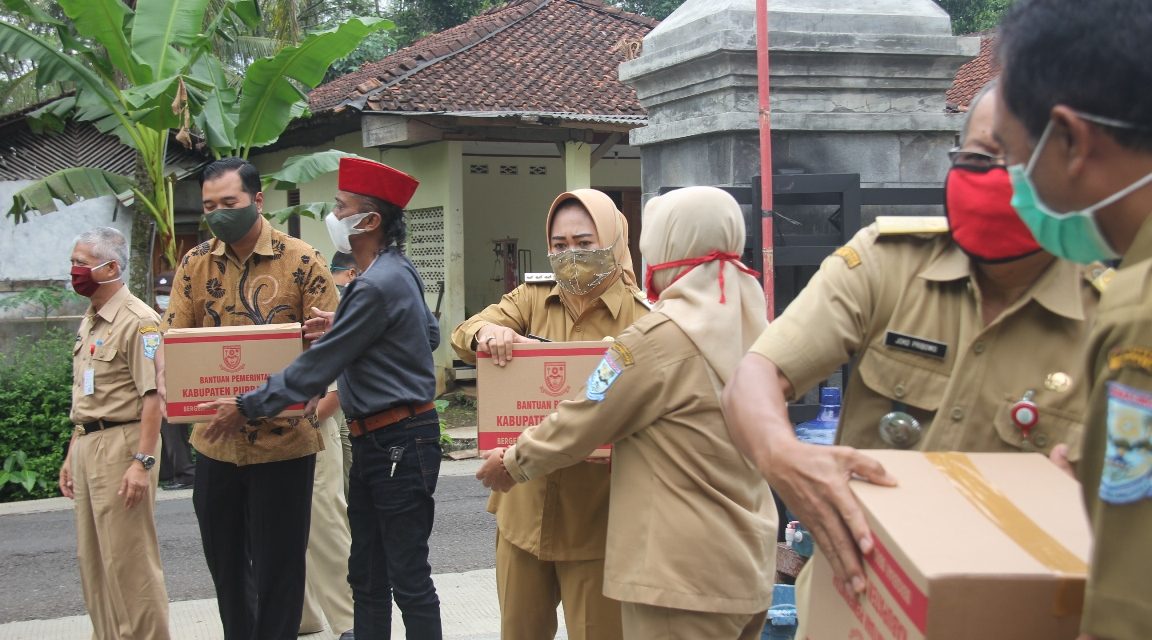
pixel 642 298
pixel 539 278
pixel 1099 275
pixel 911 225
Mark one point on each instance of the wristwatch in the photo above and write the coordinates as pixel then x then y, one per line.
pixel 146 460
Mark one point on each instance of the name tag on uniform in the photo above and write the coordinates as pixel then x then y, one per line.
pixel 89 381
pixel 921 346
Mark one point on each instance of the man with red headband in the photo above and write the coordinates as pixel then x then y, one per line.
pixel 966 337
pixel 379 346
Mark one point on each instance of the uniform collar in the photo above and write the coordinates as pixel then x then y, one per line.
pixel 108 311
pixel 263 243
pixel 948 265
pixel 613 298
pixel 1141 248
pixel 1057 289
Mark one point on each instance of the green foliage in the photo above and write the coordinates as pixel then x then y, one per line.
pixel 658 9
pixel 416 19
pixel 47 300
pixel 375 47
pixel 36 396
pixel 441 407
pixel 971 16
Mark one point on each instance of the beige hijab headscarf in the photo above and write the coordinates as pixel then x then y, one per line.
pixel 611 230
pixel 691 223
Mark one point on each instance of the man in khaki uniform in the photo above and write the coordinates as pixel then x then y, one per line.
pixel 551 531
pixel 1079 143
pixel 253 489
pixel 109 468
pixel 692 526
pixel 965 338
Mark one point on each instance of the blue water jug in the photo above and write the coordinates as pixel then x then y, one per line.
pixel 822 430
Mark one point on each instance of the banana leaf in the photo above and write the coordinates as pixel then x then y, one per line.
pixel 53 116
pixel 271 89
pixel 160 27
pixel 104 21
pixel 314 210
pixel 26 8
pixel 53 64
pixel 68 186
pixel 216 117
pixel 300 169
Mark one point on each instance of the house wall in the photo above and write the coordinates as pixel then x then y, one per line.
pixel 504 206
pixel 40 249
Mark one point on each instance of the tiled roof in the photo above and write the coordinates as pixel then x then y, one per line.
pixel 557 56
pixel 974 74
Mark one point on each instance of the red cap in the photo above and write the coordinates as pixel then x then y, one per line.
pixel 368 178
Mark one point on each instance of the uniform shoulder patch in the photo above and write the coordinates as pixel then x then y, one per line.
pixel 1130 358
pixel 623 354
pixel 150 342
pixel 1127 474
pixel 851 258
pixel 649 322
pixel 149 329
pixel 602 377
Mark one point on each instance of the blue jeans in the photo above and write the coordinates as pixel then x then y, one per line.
pixel 391 515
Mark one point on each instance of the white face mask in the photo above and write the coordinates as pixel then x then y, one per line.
pixel 341 230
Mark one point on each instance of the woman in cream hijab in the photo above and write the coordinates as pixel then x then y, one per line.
pixel 551 532
pixel 692 527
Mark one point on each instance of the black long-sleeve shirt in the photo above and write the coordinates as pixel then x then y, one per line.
pixel 379 348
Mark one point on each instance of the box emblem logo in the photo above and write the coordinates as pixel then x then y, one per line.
pixel 555 379
pixel 232 360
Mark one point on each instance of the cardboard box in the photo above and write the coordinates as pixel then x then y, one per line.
pixel 530 387
pixel 969 546
pixel 216 362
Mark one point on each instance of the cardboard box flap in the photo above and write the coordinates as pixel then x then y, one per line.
pixel 248 332
pixel 1015 521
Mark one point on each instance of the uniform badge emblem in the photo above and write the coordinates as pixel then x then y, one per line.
pixel 150 342
pixel 1127 475
pixel 602 377
pixel 555 379
pixel 1131 358
pixel 1058 382
pixel 232 360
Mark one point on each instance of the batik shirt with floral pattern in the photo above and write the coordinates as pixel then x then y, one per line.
pixel 280 282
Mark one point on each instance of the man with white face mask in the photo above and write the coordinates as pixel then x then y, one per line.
pixel 1075 120
pixel 379 346
pixel 551 531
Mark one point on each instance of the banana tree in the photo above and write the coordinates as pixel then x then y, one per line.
pixel 141 73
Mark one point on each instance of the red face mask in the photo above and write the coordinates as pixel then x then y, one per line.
pixel 978 203
pixel 723 258
pixel 82 281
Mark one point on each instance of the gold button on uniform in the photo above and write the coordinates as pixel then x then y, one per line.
pixel 978 348
pixel 1040 439
pixel 898 391
pixel 957 414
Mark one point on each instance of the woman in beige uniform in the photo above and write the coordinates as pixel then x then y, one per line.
pixel 691 527
pixel 551 532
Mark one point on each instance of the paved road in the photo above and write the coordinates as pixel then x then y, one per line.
pixel 41 581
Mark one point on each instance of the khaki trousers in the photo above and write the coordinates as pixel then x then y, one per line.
pixel 530 589
pixel 646 622
pixel 117 550
pixel 327 596
pixel 803 598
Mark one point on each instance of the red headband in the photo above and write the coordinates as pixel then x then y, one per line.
pixel 724 258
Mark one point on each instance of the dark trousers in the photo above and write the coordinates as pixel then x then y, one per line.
pixel 254 524
pixel 391 516
pixel 176 454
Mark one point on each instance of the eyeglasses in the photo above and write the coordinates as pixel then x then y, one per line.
pixel 976 159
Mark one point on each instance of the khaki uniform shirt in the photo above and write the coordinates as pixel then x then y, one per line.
pixel 692 524
pixel 563 516
pixel 906 310
pixel 118 345
pixel 280 282
pixel 1116 470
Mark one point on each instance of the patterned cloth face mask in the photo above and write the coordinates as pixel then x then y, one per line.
pixel 580 271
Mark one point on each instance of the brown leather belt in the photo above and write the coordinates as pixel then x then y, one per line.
pixel 387 418
pixel 97 425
